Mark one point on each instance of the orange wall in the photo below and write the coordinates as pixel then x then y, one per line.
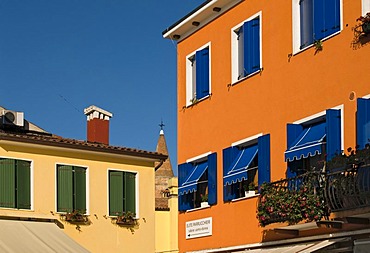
pixel 285 91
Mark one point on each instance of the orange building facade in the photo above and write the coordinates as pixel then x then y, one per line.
pixel 267 92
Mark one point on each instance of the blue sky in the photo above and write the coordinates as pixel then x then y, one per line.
pixel 59 57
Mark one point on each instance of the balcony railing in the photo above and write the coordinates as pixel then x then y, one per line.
pixel 348 188
pixel 313 195
pixel 293 200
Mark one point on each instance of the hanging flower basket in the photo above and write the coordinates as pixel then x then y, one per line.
pixel 365 23
pixel 126 219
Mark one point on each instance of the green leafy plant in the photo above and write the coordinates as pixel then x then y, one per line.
pixel 126 218
pixel 279 203
pixel 75 216
pixel 204 197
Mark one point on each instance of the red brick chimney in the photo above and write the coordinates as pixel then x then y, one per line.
pixel 97 124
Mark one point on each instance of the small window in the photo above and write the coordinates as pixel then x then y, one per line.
pixel 197 183
pixel 245 167
pixel 246 49
pixel 311 142
pixel 314 20
pixel 71 189
pixel 15 183
pixel 122 192
pixel 198 75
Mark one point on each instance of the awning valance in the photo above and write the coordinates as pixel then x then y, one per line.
pixel 190 184
pixel 308 143
pixel 34 237
pixel 238 169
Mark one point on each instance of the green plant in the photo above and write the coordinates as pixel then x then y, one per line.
pixel 204 197
pixel 318 45
pixel 365 23
pixel 126 218
pixel 279 203
pixel 75 216
pixel 353 159
pixel 252 186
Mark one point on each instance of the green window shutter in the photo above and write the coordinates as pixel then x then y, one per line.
pixel 7 183
pixel 65 188
pixel 115 193
pixel 130 192
pixel 79 189
pixel 23 184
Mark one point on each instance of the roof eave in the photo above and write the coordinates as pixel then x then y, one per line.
pixel 132 154
pixel 199 17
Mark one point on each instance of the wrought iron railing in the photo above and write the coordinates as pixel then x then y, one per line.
pixel 348 188
pixel 293 200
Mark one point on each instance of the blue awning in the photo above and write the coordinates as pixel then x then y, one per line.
pixel 190 184
pixel 238 169
pixel 308 143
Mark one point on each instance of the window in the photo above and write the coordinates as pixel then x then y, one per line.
pixel 197 179
pixel 312 141
pixel 122 192
pixel 15 183
pixel 314 20
pixel 245 165
pixel 246 48
pixel 71 189
pixel 363 122
pixel 198 75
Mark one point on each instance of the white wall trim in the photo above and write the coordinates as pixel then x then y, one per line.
pixel 189 82
pixel 199 157
pixel 246 140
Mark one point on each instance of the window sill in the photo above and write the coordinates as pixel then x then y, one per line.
pixel 244 78
pixel 312 45
pixel 243 198
pixel 197 208
pixel 198 101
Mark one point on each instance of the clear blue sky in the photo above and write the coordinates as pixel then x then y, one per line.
pixel 59 57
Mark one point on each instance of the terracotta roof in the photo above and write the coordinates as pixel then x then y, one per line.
pixel 57 141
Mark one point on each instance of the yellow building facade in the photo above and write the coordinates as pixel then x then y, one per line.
pixel 101 196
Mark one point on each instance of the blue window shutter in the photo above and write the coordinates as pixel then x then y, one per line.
pixel 251 46
pixel 202 73
pixel 185 201
pixel 332 16
pixel 306 22
pixel 255 44
pixel 319 16
pixel 264 159
pixel 228 156
pixel 212 179
pixel 333 133
pixel 363 122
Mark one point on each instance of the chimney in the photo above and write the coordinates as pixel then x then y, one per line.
pixel 97 124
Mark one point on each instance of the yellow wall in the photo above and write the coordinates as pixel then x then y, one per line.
pixel 101 235
pixel 166 223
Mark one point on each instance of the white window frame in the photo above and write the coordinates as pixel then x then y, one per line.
pixel 31 183
pixel 87 185
pixel 365 7
pixel 297 26
pixel 235 49
pixel 190 75
pixel 137 214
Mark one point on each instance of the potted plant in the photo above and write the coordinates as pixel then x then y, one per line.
pixel 365 23
pixel 250 190
pixel 204 198
pixel 126 218
pixel 75 216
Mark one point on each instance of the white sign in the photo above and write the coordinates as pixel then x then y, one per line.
pixel 198 228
